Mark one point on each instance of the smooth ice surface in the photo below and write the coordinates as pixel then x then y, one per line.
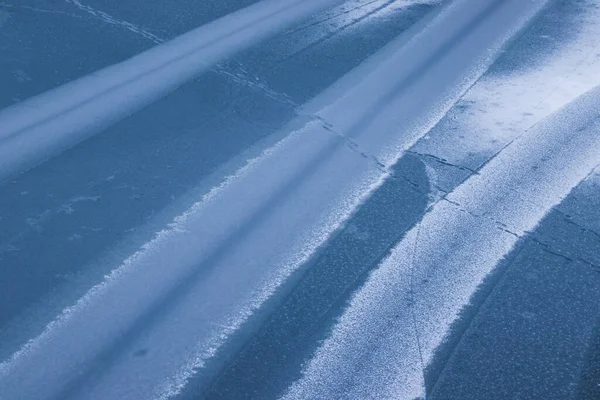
pixel 533 335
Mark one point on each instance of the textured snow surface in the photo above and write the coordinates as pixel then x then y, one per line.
pixel 519 92
pixel 36 129
pixel 392 326
pixel 191 287
pixel 382 344
pixel 186 293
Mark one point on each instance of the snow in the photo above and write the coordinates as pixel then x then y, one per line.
pixel 185 293
pixel 446 60
pixel 393 324
pixel 503 104
pixel 388 334
pixel 36 129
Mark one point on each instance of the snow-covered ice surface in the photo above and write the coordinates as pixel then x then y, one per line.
pixel 141 182
pixel 531 81
pixel 246 237
pixel 388 335
pixel 102 322
pixel 38 128
pixel 534 79
pixel 172 318
pixel 383 343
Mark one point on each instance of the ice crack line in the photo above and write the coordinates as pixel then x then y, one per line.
pixel 499 224
pixel 245 78
pixel 351 143
pixel 443 161
pixel 388 169
pixel 503 227
pixel 328 18
pixel 552 250
pixel 115 21
pixel 40 10
pixel 413 301
pixel 333 33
